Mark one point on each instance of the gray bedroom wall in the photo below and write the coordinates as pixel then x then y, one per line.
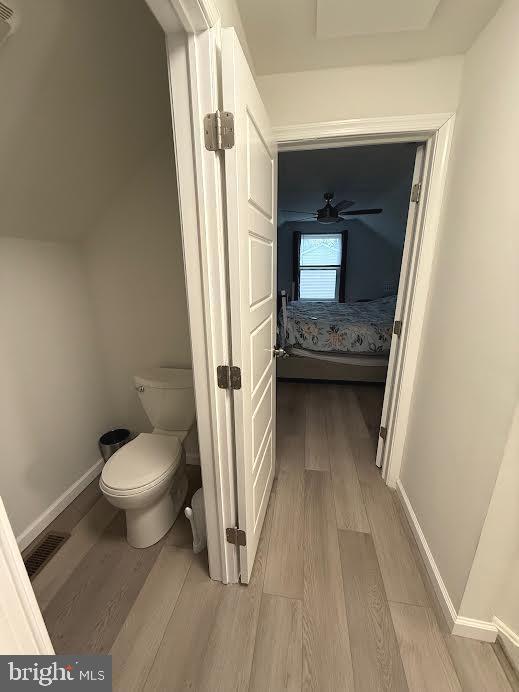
pixel 374 176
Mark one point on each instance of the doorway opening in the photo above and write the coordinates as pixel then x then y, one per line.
pixel 345 229
pixel 95 315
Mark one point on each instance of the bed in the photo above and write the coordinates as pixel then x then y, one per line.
pixel 357 335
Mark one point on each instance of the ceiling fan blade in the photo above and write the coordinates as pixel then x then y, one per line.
pixel 310 218
pixel 361 212
pixel 344 204
pixel 299 211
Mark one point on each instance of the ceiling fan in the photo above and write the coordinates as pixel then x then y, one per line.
pixel 332 213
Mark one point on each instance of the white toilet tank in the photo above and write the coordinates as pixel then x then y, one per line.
pixel 168 397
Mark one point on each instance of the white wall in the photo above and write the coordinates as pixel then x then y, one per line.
pixel 83 99
pixel 136 277
pixel 468 379
pixel 492 588
pixel 53 401
pixel 428 86
pixel 230 16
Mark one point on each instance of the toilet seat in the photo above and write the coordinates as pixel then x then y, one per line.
pixel 147 461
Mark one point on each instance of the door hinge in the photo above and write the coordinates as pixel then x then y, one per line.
pixel 416 192
pixel 219 131
pixel 397 327
pixel 383 432
pixel 236 536
pixel 228 377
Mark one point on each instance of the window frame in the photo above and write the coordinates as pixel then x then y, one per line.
pixel 338 268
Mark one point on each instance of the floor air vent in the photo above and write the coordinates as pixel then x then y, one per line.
pixel 43 552
pixel 8 22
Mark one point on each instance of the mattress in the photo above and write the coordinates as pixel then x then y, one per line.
pixel 362 327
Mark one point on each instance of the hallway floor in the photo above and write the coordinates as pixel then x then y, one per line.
pixel 339 599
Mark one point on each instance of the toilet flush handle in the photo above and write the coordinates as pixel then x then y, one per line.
pixel 140 388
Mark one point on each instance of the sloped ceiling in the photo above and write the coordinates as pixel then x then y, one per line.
pixel 84 97
pixel 298 35
pixel 361 174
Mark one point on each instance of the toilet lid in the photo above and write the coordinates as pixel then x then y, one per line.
pixel 142 461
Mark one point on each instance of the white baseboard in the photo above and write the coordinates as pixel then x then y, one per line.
pixel 458 625
pixel 509 641
pixel 475 629
pixel 506 632
pixel 41 523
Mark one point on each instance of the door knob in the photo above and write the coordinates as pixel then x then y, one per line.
pixel 279 352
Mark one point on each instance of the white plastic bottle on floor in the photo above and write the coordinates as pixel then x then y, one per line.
pixel 196 516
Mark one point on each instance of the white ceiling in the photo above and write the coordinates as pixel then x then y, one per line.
pixel 349 17
pixel 298 35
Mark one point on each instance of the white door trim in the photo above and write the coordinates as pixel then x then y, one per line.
pixel 436 131
pixel 22 629
pixel 192 67
pixel 192 30
pixel 188 16
pixel 408 253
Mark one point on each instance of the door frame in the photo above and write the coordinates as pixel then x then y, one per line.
pixel 436 132
pixel 22 629
pixel 192 33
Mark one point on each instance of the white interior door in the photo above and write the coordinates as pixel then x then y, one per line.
pixel 251 197
pixel 395 352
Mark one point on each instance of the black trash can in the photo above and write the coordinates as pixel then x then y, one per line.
pixel 113 440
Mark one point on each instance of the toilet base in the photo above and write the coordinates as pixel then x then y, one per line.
pixel 146 526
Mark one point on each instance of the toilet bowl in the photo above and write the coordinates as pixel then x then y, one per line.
pixel 147 477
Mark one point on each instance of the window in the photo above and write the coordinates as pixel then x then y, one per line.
pixel 320 266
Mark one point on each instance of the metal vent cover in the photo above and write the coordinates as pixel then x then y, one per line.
pixel 6 13
pixel 9 22
pixel 42 553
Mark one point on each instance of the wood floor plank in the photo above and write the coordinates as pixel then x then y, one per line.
pixel 85 535
pixel 181 652
pixel 326 650
pixel 333 633
pixel 427 664
pixel 278 651
pixel 400 572
pixel 86 500
pixel 68 519
pixel 284 570
pixel 377 664
pixel 136 645
pixel 370 398
pixel 317 457
pixel 228 656
pixel 508 668
pixel 349 503
pixel 477 665
pixel 87 613
pixel 180 535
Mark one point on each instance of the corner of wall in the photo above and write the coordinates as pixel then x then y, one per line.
pixel 457 624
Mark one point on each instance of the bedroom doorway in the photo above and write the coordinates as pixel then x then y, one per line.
pixel 346 233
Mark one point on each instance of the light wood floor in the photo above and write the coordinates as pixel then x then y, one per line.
pixel 338 600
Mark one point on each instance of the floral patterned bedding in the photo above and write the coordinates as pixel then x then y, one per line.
pixel 363 327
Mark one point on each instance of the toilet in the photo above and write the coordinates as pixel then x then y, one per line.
pixel 147 477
